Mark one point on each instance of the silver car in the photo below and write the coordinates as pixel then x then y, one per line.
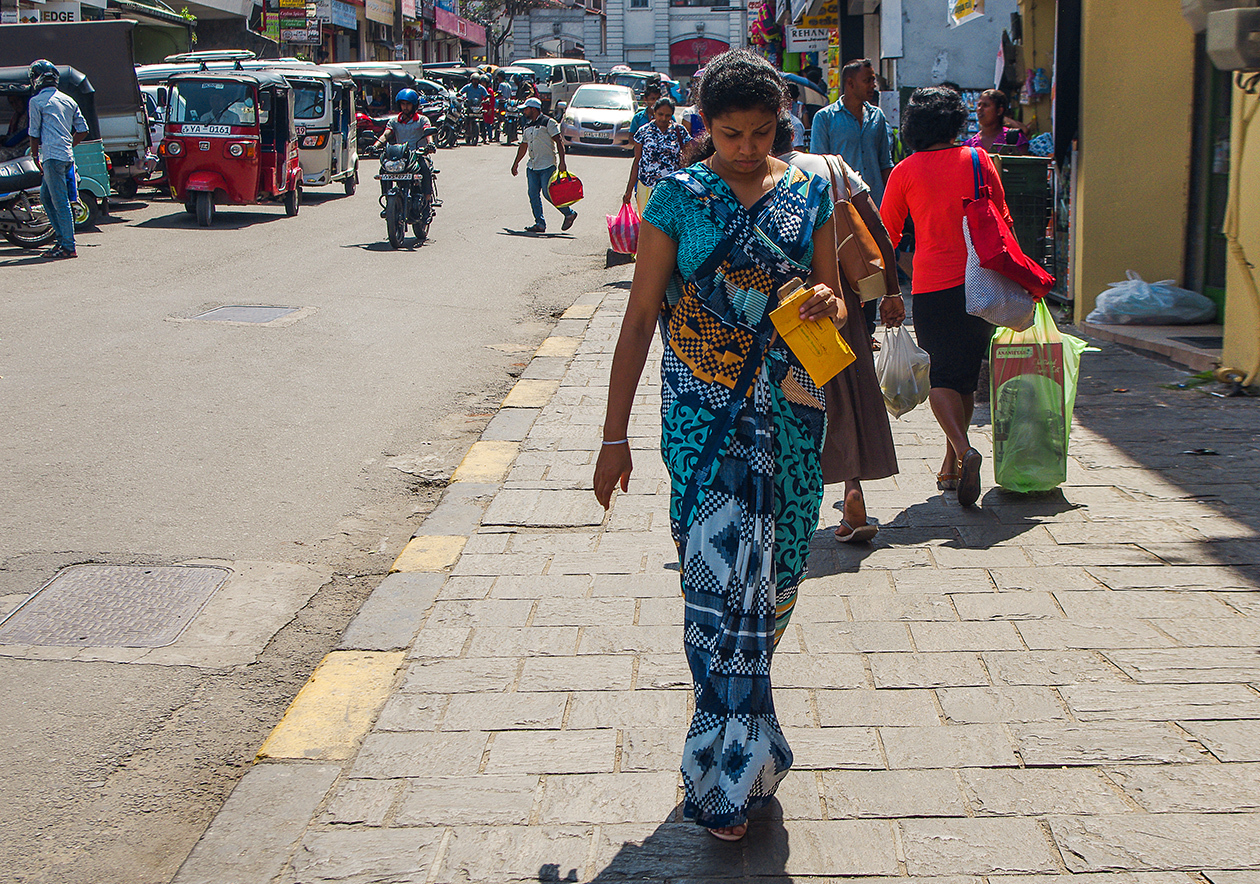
pixel 599 116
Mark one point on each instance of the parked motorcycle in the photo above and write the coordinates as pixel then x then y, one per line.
pixel 22 218
pixel 406 199
pixel 438 113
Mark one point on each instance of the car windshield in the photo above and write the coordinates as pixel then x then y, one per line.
pixel 602 98
pixel 309 100
pixel 212 101
pixel 541 71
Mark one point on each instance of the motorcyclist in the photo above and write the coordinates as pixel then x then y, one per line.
pixel 475 96
pixel 408 128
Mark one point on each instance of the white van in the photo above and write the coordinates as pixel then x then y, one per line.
pixel 558 78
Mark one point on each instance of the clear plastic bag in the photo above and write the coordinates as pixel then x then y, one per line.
pixel 902 369
pixel 1138 302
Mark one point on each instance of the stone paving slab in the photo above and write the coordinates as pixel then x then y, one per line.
pixel 1051 689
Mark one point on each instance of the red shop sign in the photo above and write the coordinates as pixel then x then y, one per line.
pixel 696 50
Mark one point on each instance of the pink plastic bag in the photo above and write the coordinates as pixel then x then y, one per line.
pixel 623 230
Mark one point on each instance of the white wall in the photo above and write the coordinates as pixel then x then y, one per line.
pixel 934 52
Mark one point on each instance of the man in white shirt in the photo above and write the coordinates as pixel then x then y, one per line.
pixel 541 137
pixel 56 126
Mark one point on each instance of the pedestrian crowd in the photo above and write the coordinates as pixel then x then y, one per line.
pixel 732 220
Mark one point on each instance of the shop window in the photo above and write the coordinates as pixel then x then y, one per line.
pixel 699 2
pixel 639 4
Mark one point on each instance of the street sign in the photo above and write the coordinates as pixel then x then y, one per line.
pixel 807 39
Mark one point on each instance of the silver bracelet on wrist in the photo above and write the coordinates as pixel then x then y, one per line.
pixel 618 442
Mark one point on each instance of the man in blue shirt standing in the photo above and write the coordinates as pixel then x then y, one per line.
pixel 56 126
pixel 855 128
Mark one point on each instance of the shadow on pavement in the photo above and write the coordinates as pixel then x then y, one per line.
pixel 684 851
pixel 1180 451
pixel 509 232
pixel 384 246
pixel 224 219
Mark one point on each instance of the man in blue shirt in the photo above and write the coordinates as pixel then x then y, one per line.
pixel 855 128
pixel 56 126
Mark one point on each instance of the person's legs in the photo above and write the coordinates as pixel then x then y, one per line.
pixel 567 211
pixel 537 179
pixel 56 200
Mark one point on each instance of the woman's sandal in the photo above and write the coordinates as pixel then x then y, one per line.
pixel 969 481
pixel 741 829
pixel 860 534
pixel 947 481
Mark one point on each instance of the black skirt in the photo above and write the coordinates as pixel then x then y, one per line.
pixel 957 341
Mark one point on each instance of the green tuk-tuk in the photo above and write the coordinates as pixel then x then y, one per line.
pixel 89 155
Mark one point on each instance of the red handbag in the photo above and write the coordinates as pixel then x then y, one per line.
pixel 995 242
pixel 564 189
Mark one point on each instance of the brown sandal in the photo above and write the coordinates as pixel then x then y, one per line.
pixel 947 481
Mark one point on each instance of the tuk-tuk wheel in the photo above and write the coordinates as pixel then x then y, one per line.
pixel 85 211
pixel 352 182
pixel 205 208
pixel 292 201
pixel 127 188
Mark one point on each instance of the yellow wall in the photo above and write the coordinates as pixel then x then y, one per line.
pixel 1242 312
pixel 1037 51
pixel 1133 167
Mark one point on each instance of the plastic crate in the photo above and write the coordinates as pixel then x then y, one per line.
pixel 1026 181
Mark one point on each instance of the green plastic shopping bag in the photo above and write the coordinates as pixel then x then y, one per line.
pixel 1033 377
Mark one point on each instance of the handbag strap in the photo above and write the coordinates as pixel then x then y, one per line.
pixel 975 166
pixel 838 172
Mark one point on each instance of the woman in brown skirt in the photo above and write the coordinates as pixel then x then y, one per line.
pixel 859 443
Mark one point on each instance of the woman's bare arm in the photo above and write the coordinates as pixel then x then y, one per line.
pixel 891 310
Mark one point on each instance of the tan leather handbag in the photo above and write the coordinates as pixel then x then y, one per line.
pixel 858 254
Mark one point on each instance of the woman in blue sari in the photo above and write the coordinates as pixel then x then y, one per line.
pixel 742 423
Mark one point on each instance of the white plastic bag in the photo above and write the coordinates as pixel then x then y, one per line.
pixel 902 369
pixel 993 297
pixel 1138 302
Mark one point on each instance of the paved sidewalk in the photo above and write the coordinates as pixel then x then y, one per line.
pixel 1036 691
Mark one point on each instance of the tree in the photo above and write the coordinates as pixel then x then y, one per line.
pixel 496 16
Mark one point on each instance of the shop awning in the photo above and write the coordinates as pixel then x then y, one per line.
pixel 163 15
pixel 696 50
pixel 450 23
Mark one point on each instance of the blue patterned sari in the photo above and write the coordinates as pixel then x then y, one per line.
pixel 742 425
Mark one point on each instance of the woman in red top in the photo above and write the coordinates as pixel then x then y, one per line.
pixel 930 186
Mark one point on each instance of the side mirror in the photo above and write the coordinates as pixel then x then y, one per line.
pixel 161 96
pixel 561 108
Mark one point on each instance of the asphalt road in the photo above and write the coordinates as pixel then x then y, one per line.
pixel 300 454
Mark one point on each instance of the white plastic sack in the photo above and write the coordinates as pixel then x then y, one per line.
pixel 1138 302
pixel 902 369
pixel 993 297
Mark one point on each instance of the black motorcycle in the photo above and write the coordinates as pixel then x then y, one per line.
pixel 22 219
pixel 472 122
pixel 511 113
pixel 438 113
pixel 409 182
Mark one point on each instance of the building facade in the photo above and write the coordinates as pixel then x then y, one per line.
pixel 666 36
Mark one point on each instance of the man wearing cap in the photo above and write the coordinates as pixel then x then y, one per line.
pixel 56 126
pixel 541 137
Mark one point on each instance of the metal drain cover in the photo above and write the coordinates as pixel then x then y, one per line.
pixel 112 606
pixel 242 313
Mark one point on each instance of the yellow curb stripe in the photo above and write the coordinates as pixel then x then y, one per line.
pixel 335 708
pixel 429 553
pixel 487 461
pixel 564 348
pixel 531 393
pixel 579 311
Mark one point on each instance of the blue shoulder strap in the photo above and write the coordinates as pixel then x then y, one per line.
pixel 975 165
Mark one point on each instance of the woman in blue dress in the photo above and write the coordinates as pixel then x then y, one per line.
pixel 742 423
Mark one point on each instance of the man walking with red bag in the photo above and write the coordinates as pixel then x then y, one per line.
pixel 541 137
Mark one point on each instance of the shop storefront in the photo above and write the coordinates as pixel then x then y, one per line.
pixel 464 39
pixel 688 55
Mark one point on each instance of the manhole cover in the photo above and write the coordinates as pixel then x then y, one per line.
pixel 112 606
pixel 239 313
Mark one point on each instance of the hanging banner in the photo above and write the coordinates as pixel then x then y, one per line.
pixel 381 11
pixel 824 15
pixel 962 11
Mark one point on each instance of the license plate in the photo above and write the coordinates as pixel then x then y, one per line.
pixel 596 139
pixel 396 177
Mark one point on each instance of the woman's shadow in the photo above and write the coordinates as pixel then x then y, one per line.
pixel 683 851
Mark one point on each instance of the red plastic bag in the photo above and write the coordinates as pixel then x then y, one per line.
pixel 995 242
pixel 623 230
pixel 565 189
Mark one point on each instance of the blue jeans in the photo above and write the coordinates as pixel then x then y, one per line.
pixel 56 200
pixel 538 179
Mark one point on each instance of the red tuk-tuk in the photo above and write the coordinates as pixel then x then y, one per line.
pixel 230 140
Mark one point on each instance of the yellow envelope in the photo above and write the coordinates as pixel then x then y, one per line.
pixel 817 343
